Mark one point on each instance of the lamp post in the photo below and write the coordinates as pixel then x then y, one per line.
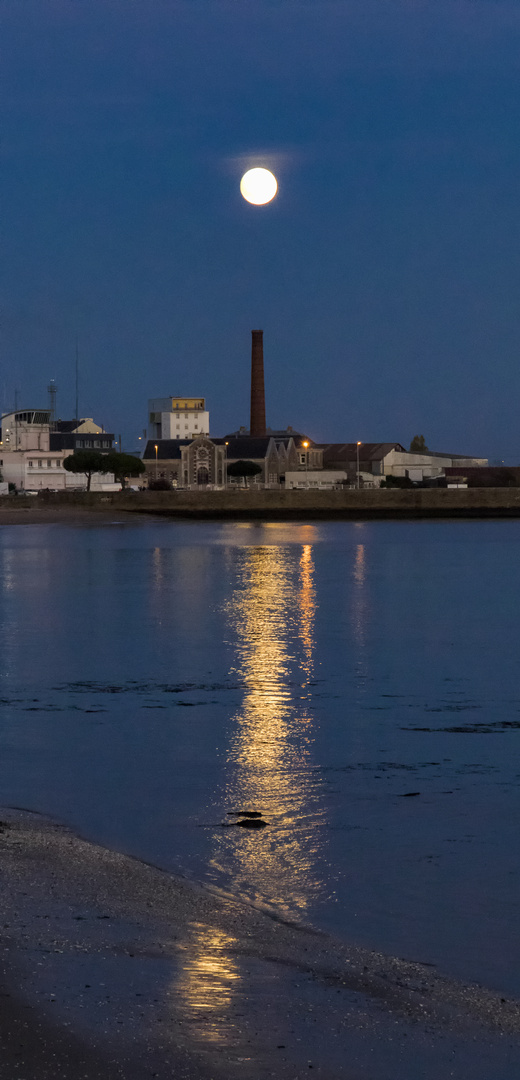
pixel 357 463
pixel 156 449
pixel 306 447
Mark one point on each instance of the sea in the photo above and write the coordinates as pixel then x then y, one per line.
pixel 356 685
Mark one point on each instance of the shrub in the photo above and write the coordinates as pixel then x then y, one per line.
pixel 161 484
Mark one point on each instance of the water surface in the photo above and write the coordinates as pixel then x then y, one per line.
pixel 357 684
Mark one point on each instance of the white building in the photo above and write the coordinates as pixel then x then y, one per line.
pixel 376 461
pixel 315 478
pixel 25 430
pixel 28 461
pixel 177 418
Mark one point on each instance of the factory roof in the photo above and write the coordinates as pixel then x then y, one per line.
pixel 349 451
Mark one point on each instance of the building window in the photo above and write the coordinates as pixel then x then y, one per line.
pixel 30 464
pixel 97 442
pixel 57 464
pixel 49 463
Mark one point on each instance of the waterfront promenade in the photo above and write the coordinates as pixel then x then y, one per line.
pixel 250 504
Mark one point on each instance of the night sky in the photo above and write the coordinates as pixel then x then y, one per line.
pixel 385 274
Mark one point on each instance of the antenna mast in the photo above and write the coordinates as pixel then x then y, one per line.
pixel 52 390
pixel 77 380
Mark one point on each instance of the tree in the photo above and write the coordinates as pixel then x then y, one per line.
pixel 243 469
pixel 123 466
pixel 418 445
pixel 87 462
pixel 397 482
pixel 161 484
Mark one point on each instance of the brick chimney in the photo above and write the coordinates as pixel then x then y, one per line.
pixel 257 425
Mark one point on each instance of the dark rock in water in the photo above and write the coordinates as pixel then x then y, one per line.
pixel 409 794
pixel 251 823
pixel 249 819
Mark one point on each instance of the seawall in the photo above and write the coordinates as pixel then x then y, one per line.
pixel 290 505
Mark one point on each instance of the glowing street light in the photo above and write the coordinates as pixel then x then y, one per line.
pixel 306 446
pixel 357 460
pixel 156 449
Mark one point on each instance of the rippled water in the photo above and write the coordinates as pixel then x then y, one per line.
pixel 356 684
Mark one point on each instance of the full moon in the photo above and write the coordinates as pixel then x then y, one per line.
pixel 258 186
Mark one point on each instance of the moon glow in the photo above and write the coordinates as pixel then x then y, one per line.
pixel 258 186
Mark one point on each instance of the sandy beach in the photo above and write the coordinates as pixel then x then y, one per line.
pixel 112 968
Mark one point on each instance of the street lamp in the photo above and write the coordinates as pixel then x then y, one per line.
pixel 156 449
pixel 306 446
pixel 357 461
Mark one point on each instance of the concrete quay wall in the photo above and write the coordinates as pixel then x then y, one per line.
pixel 296 504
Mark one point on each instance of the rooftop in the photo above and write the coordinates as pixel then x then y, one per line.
pixel 349 451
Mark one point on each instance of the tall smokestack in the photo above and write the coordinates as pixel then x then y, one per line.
pixel 257 425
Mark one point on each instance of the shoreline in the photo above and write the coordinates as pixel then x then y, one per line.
pixel 135 972
pixel 265 505
pixel 61 515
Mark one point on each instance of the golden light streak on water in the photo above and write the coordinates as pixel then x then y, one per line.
pixel 269 765
pixel 208 979
pixel 307 604
pixel 270 616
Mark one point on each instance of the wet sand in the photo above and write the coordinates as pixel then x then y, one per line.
pixel 113 968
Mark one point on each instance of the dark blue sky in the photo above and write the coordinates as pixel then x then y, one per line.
pixel 386 273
